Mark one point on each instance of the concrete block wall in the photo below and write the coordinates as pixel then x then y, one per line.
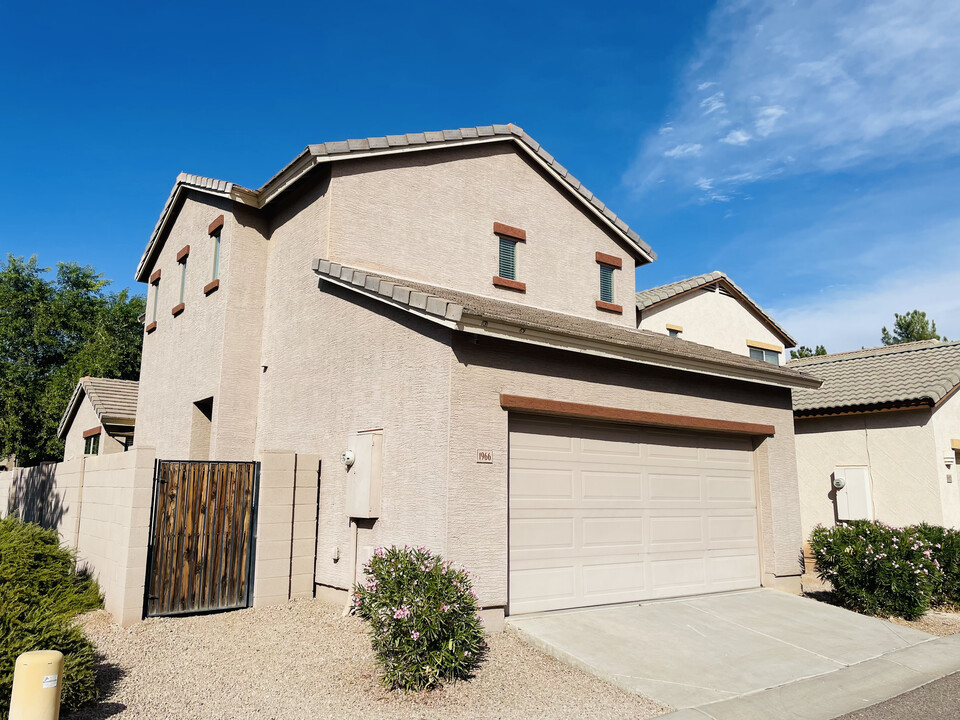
pixel 286 528
pixel 6 480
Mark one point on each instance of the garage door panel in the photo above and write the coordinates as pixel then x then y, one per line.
pixel 601 514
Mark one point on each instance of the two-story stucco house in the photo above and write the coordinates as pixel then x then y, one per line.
pixel 711 309
pixel 456 310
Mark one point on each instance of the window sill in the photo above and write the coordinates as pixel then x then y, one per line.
pixel 151 327
pixel 211 286
pixel 609 307
pixel 509 284
pixel 177 309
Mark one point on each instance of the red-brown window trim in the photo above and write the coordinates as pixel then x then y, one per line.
pixel 182 255
pixel 151 327
pixel 177 309
pixel 92 431
pixel 611 260
pixel 609 307
pixel 509 284
pixel 211 286
pixel 509 231
pixel 215 225
pixel 155 277
pixel 540 406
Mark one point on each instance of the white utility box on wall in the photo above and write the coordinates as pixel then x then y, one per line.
pixel 854 500
pixel 364 475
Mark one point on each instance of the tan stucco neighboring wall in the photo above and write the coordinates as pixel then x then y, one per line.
pixel 898 447
pixel 429 217
pixel 946 429
pixel 212 348
pixel 84 419
pixel 710 318
pixel 477 495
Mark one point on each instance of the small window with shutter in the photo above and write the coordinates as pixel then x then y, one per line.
pixel 606 283
pixel 508 258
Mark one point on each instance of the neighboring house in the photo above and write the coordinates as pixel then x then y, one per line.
pixel 712 310
pixel 456 309
pixel 886 425
pixel 99 418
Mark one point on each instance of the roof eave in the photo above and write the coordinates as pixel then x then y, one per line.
pixel 71 410
pixel 864 408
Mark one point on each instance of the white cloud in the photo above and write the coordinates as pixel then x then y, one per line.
pixel 822 85
pixel 713 103
pixel 685 150
pixel 736 137
pixel 705 183
pixel 665 130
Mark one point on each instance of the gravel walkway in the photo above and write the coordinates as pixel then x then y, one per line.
pixel 302 660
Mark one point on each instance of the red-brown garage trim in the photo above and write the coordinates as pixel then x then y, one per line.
pixel 92 431
pixel 540 406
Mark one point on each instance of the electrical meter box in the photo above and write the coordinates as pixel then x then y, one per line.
pixel 364 476
pixel 854 501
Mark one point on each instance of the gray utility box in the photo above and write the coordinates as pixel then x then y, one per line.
pixel 364 477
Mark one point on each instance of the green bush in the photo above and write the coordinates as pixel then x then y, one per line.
pixel 40 594
pixel 945 544
pixel 877 569
pixel 423 615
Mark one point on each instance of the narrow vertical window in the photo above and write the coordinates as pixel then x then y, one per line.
pixel 216 256
pixel 508 259
pixel 183 278
pixel 606 283
pixel 156 299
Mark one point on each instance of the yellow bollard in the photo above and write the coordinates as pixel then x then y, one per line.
pixel 37 679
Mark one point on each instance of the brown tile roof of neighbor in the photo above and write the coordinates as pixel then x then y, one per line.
pixel 328 152
pixel 912 374
pixel 523 323
pixel 647 299
pixel 113 400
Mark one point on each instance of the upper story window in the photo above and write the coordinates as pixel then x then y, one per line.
pixel 182 257
pixel 216 256
pixel 508 259
pixel 606 283
pixel 91 443
pixel 608 263
pixel 764 351
pixel 508 238
pixel 674 330
pixel 215 230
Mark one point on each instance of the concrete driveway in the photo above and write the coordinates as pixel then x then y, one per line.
pixel 704 652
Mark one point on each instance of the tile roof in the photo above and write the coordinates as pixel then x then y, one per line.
pixel 453 308
pixel 919 373
pixel 654 296
pixel 343 149
pixel 111 399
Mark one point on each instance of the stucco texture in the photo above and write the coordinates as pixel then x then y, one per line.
pixel 429 217
pixel 946 430
pixel 710 318
pixel 899 449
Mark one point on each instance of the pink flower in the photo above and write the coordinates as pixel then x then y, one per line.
pixel 415 635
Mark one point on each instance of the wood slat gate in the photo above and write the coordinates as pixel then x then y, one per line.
pixel 202 537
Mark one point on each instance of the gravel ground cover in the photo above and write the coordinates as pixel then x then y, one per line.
pixel 933 622
pixel 303 660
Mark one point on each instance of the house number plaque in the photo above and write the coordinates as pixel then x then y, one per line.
pixel 485 457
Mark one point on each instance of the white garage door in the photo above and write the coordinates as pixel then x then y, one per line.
pixel 605 514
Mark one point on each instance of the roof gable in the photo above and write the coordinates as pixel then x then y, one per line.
pixel 647 299
pixel 323 153
pixel 111 399
pixel 920 374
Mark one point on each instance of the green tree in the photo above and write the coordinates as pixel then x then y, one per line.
pixel 910 327
pixel 53 331
pixel 803 352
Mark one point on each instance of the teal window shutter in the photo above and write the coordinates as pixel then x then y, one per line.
pixel 508 259
pixel 606 283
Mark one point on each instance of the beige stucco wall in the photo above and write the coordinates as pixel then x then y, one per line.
pixel 477 495
pixel 899 449
pixel 710 318
pixel 946 428
pixel 429 216
pixel 205 351
pixel 85 419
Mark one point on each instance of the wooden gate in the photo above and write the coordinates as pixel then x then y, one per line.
pixel 202 537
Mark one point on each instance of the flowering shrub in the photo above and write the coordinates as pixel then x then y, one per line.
pixel 945 543
pixel 423 615
pixel 877 569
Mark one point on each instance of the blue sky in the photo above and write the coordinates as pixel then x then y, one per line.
pixel 810 149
